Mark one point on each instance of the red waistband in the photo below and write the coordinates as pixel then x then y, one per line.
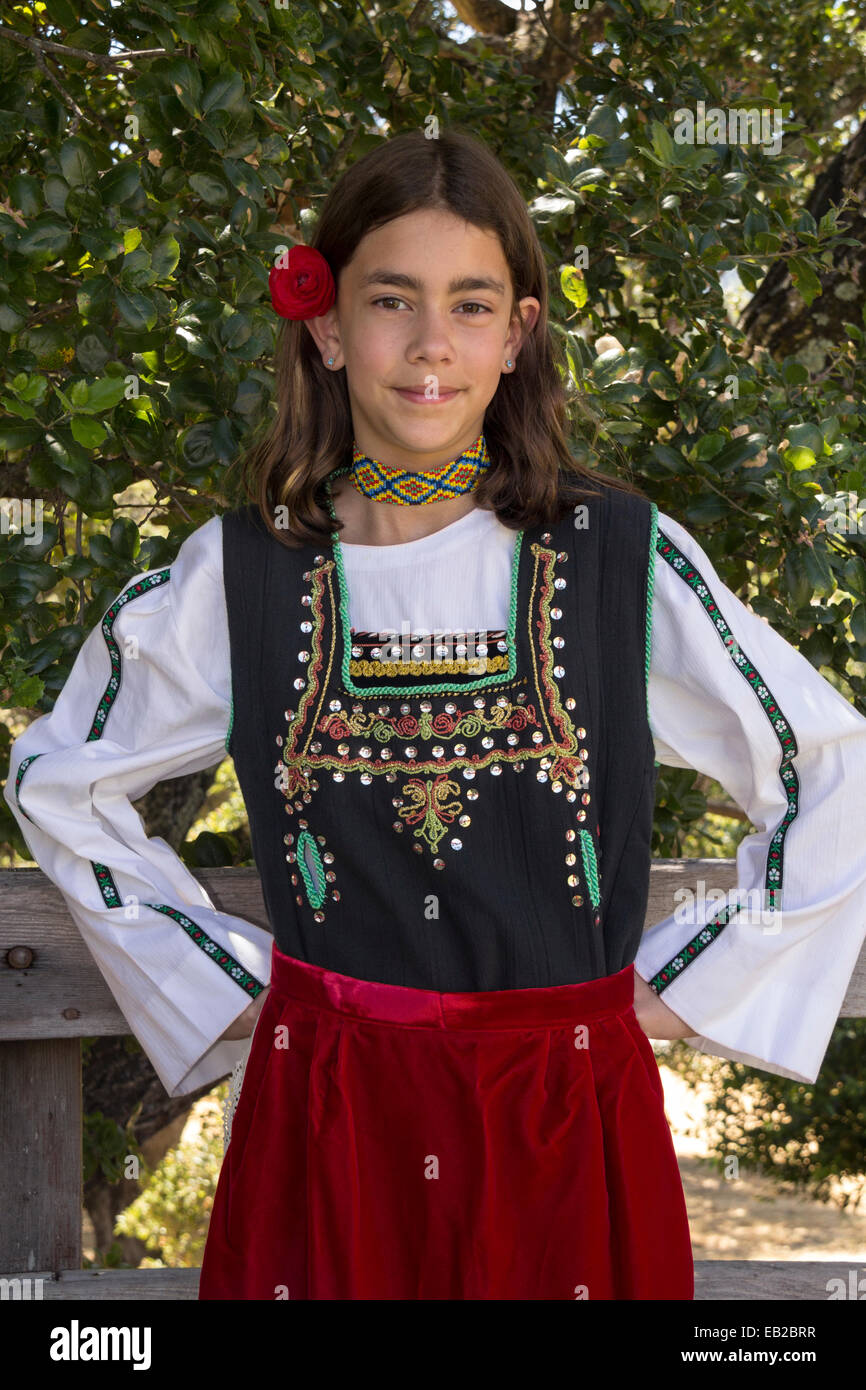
pixel 502 1008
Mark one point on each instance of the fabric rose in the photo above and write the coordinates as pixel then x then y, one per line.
pixel 305 287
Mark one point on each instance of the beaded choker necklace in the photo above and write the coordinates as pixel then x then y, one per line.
pixel 407 488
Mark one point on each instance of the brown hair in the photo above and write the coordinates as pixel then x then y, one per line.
pixel 533 477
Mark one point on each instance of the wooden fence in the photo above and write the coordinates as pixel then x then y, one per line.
pixel 52 995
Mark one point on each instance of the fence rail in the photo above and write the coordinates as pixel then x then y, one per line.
pixel 52 995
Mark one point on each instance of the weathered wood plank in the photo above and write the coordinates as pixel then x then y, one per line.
pixel 743 1281
pixel 40 1154
pixel 63 995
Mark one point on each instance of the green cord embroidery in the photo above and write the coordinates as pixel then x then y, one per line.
pixel 314 878
pixel 708 933
pixel 439 688
pixel 231 722
pixel 590 865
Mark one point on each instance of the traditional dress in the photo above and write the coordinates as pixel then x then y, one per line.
pixel 447 1094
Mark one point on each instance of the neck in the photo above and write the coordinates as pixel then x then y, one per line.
pixel 375 523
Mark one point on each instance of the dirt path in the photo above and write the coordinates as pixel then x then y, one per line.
pixel 751 1217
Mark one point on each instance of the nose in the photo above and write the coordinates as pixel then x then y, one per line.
pixel 431 336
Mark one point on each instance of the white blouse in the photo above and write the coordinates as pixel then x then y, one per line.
pixel 765 991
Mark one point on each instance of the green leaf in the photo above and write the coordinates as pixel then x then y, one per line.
pixel 805 279
pixel 166 254
pixel 796 579
pixel 799 459
pixel 573 285
pixel 25 194
pixel 105 393
pixel 210 189
pixel 17 434
pixel 738 452
pixel 136 309
pixel 88 433
pixel 186 83
pixel 95 297
pixel 226 94
pixel 805 435
pixel 663 145
pixel 120 182
pixel 46 236
pixel 76 162
pixel 817 568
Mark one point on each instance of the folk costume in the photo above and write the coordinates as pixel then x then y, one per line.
pixel 447 1094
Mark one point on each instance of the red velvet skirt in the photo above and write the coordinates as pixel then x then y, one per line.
pixel 397 1143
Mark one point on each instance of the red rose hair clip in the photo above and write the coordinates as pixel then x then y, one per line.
pixel 305 287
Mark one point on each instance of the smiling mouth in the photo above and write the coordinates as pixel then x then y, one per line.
pixel 421 398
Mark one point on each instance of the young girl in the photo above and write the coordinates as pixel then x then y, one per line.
pixel 447 662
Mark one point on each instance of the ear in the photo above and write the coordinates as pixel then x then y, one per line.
pixel 325 331
pixel 529 308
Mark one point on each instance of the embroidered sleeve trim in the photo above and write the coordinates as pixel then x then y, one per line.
pixel 654 526
pixel 708 933
pixel 25 763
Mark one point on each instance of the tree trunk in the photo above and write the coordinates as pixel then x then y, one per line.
pixel 776 316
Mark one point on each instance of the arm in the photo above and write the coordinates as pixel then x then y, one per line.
pixel 654 1016
pixel 760 977
pixel 148 698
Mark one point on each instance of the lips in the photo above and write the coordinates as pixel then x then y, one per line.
pixel 417 393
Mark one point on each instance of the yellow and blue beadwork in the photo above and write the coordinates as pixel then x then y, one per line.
pixel 407 488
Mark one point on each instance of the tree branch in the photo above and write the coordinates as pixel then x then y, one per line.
pixel 39 47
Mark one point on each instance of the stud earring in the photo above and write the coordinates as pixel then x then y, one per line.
pixel 330 361
pixel 509 363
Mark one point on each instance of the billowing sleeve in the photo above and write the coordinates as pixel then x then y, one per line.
pixel 148 698
pixel 760 977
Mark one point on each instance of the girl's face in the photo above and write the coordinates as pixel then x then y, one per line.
pixel 422 325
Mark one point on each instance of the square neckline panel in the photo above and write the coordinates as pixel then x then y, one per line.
pixel 419 546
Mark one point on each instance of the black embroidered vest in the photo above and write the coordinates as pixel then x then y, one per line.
pixel 459 825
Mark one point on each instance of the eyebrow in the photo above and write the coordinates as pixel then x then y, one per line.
pixel 410 282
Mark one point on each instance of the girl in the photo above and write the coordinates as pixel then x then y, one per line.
pixel 447 662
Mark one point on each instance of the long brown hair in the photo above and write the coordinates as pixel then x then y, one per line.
pixel 533 477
